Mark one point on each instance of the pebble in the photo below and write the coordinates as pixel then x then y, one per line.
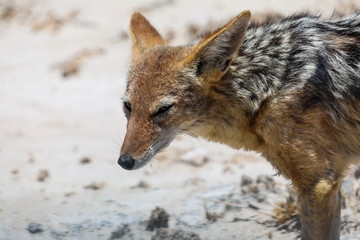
pixel 246 180
pixel 35 228
pixel 167 234
pixel 122 232
pixel 159 219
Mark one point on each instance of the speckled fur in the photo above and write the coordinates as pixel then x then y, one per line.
pixel 288 88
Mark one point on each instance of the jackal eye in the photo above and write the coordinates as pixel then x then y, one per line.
pixel 127 106
pixel 163 109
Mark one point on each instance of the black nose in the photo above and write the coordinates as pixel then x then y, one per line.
pixel 126 162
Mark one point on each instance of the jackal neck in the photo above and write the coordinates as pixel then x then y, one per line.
pixel 284 62
pixel 255 75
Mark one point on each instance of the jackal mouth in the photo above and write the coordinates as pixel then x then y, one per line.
pixel 153 150
pixel 139 163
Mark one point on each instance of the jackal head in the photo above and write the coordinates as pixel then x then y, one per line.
pixel 168 87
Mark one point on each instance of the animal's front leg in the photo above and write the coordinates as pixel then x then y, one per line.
pixel 320 211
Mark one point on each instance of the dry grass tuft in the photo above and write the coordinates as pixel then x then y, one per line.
pixel 52 22
pixel 287 213
pixel 95 186
pixel 38 21
pixel 43 174
pixel 72 66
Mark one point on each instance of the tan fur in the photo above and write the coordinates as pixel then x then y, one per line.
pixel 181 89
pixel 143 34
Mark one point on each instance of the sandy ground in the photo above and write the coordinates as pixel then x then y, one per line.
pixel 63 67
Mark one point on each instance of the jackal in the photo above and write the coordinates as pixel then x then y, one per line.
pixel 288 88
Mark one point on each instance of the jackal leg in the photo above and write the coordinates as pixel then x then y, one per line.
pixel 320 211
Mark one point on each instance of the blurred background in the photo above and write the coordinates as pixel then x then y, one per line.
pixel 63 68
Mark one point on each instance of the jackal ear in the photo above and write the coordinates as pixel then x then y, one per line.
pixel 215 52
pixel 143 34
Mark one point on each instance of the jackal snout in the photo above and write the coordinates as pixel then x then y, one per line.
pixel 289 90
pixel 126 162
pixel 138 141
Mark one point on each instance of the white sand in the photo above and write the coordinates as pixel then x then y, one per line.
pixel 48 122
